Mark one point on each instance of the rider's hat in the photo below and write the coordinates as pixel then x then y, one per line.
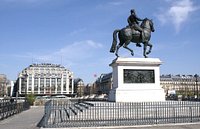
pixel 132 10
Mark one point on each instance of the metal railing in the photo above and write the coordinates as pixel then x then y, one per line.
pixel 94 114
pixel 10 107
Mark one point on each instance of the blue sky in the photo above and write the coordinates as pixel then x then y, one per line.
pixel 78 34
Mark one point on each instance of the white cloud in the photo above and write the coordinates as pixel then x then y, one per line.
pixel 71 54
pixel 178 13
pixel 79 50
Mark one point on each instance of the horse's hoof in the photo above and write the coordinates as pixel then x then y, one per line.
pixel 132 54
pixel 148 52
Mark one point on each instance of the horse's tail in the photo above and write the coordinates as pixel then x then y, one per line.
pixel 114 43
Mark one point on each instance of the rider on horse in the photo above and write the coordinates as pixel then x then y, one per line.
pixel 133 22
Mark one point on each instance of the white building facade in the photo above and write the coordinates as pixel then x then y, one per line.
pixel 45 79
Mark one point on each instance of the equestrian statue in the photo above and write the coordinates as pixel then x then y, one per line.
pixel 133 33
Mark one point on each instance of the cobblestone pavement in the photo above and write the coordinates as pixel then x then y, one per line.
pixel 25 120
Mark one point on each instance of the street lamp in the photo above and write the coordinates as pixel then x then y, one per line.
pixel 196 83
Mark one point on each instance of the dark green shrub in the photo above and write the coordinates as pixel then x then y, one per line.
pixel 30 98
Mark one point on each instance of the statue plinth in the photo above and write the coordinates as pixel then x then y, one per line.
pixel 136 80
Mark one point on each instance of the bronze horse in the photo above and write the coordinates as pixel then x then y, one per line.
pixel 127 35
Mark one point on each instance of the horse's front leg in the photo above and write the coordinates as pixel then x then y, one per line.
pixel 144 51
pixel 150 47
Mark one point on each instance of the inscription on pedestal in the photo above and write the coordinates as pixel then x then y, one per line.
pixel 139 76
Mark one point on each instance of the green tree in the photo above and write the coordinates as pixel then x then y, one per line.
pixel 30 98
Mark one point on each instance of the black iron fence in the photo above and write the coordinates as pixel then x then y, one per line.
pixel 10 107
pixel 76 113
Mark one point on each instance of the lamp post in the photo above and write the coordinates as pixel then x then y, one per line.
pixel 196 83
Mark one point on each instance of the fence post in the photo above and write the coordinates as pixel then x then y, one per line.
pixel 190 113
pixel 156 115
pixel 174 114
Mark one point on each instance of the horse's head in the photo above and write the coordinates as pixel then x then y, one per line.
pixel 152 26
pixel 148 24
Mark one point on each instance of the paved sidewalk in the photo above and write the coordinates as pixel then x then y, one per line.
pixel 165 126
pixel 172 126
pixel 25 120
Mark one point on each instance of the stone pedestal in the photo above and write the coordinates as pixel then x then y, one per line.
pixel 136 80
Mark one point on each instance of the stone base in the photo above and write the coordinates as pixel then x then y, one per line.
pixel 151 95
pixel 136 80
